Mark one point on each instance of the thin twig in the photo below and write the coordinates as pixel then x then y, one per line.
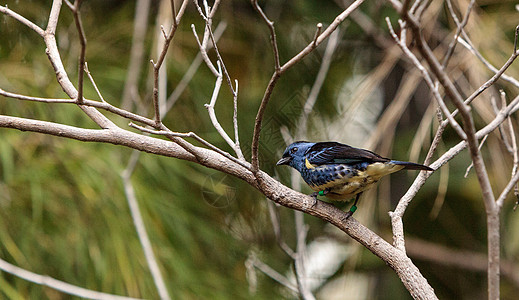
pixel 513 181
pixel 459 29
pixel 203 51
pixel 64 81
pixel 494 78
pixel 82 41
pixel 472 163
pixel 222 71
pixel 126 114
pixel 87 71
pixel 160 60
pixel 331 46
pixel 212 114
pixel 466 42
pixel 326 33
pixel 501 128
pixel 516 160
pixel 169 133
pixel 86 102
pixel 8 12
pixel 237 147
pixel 220 59
pixel 208 35
pixel 188 75
pixel 273 39
pixel 317 32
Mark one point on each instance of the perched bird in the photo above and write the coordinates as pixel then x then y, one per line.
pixel 340 171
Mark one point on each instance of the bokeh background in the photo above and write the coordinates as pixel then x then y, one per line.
pixel 63 210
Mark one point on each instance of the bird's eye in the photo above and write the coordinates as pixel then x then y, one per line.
pixel 293 150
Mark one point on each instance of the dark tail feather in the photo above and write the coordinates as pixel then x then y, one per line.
pixel 411 166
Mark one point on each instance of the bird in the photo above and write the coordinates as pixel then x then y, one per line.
pixel 339 171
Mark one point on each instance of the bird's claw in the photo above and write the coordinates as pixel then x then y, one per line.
pixel 314 195
pixel 319 193
pixel 350 212
pixel 353 208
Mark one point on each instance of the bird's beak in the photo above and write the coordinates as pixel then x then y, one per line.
pixel 284 161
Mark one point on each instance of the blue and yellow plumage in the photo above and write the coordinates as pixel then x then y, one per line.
pixel 340 171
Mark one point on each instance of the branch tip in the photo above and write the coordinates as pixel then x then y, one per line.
pixel 317 33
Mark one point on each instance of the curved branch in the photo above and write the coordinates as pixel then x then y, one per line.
pixel 271 188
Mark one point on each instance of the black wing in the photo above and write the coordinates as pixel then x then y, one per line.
pixel 334 153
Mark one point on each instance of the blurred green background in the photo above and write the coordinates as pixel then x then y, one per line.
pixel 63 211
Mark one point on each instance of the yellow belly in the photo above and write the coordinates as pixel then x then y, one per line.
pixel 345 188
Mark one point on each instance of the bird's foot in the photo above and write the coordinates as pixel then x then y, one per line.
pixel 319 193
pixel 353 208
pixel 351 211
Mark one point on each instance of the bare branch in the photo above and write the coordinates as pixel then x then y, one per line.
pixel 53 18
pixel 273 40
pixel 93 83
pixel 498 74
pixel 143 235
pixel 459 29
pixel 259 120
pixel 513 181
pixel 203 51
pixel 212 114
pixel 169 133
pixel 434 90
pixel 326 33
pixel 466 42
pixel 22 19
pixel 157 65
pixel 102 105
pixel 317 32
pixel 331 46
pixel 188 75
pixel 54 57
pixel 235 124
pixel 58 285
pixel 479 148
pixel 82 42
pixel 456 98
pixel 173 13
pixel 208 34
pixel 61 74
pixel 279 70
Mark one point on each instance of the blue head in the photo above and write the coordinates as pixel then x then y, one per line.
pixel 295 155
